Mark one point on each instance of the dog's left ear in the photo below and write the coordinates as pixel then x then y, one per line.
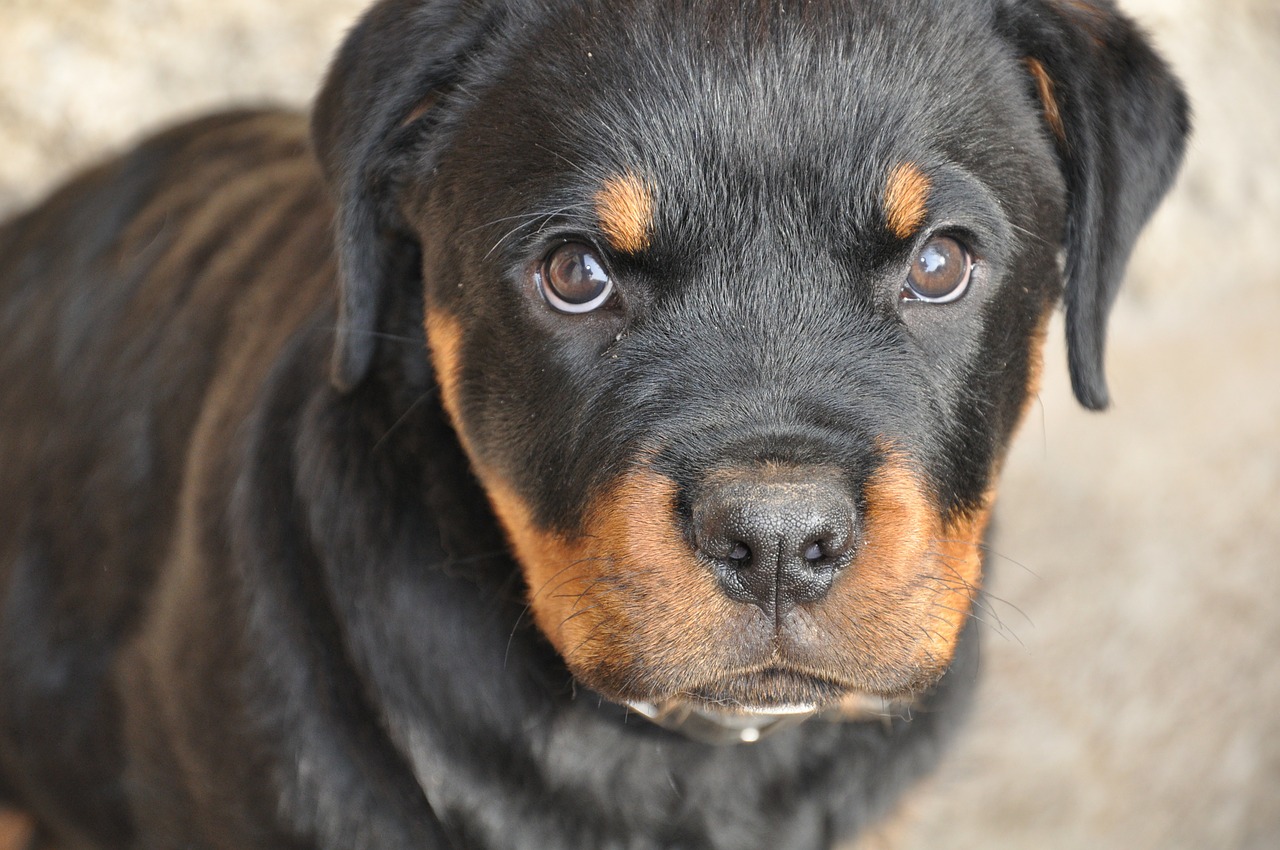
pixel 367 128
pixel 1119 120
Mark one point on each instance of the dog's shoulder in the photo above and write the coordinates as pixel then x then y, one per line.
pixel 128 290
pixel 126 246
pixel 125 299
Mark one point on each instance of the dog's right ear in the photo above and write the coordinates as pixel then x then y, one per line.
pixel 371 121
pixel 1119 120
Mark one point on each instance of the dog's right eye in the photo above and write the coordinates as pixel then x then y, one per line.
pixel 940 273
pixel 573 279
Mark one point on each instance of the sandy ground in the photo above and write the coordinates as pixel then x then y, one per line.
pixel 1131 692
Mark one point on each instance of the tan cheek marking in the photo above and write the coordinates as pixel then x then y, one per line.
pixel 16 830
pixel 906 199
pixel 444 341
pixel 1049 100
pixel 957 549
pixel 1035 354
pixel 929 570
pixel 896 528
pixel 673 603
pixel 555 568
pixel 627 592
pixel 558 571
pixel 875 612
pixel 624 206
pixel 957 552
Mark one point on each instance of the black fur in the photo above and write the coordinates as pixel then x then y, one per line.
pixel 1127 124
pixel 252 592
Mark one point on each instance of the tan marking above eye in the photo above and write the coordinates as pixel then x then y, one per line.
pixel 906 199
pixel 624 206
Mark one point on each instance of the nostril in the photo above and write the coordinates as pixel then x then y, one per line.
pixel 832 545
pixel 740 553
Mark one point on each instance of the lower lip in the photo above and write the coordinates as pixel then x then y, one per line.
pixel 775 710
pixel 651 710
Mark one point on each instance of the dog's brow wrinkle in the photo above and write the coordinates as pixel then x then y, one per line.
pixel 565 160
pixel 524 220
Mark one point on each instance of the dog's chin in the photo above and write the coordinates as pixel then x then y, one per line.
pixel 770 692
pixel 744 708
pixel 776 690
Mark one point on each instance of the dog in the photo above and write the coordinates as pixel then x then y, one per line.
pixel 581 432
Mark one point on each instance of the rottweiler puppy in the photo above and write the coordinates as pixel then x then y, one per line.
pixel 581 434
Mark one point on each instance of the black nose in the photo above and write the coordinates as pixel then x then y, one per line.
pixel 777 537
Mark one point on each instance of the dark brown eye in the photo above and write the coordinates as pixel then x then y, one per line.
pixel 573 279
pixel 940 273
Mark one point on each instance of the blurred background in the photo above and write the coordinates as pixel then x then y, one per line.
pixel 1131 679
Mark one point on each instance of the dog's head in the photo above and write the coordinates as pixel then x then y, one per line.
pixel 735 308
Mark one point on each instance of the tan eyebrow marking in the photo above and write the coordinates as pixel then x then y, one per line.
pixel 624 206
pixel 906 199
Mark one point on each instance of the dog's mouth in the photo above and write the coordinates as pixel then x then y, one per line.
pixel 746 708
pixel 641 614
pixel 710 726
pixel 769 691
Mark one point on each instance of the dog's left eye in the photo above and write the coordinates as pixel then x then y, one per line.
pixel 573 279
pixel 940 273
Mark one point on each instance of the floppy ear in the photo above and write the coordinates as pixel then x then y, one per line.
pixel 1119 119
pixel 366 127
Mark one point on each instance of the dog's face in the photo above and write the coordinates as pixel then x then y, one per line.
pixel 734 312
pixel 734 331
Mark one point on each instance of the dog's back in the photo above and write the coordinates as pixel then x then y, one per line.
pixel 124 300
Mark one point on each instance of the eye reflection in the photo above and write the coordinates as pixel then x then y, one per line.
pixel 573 279
pixel 940 273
